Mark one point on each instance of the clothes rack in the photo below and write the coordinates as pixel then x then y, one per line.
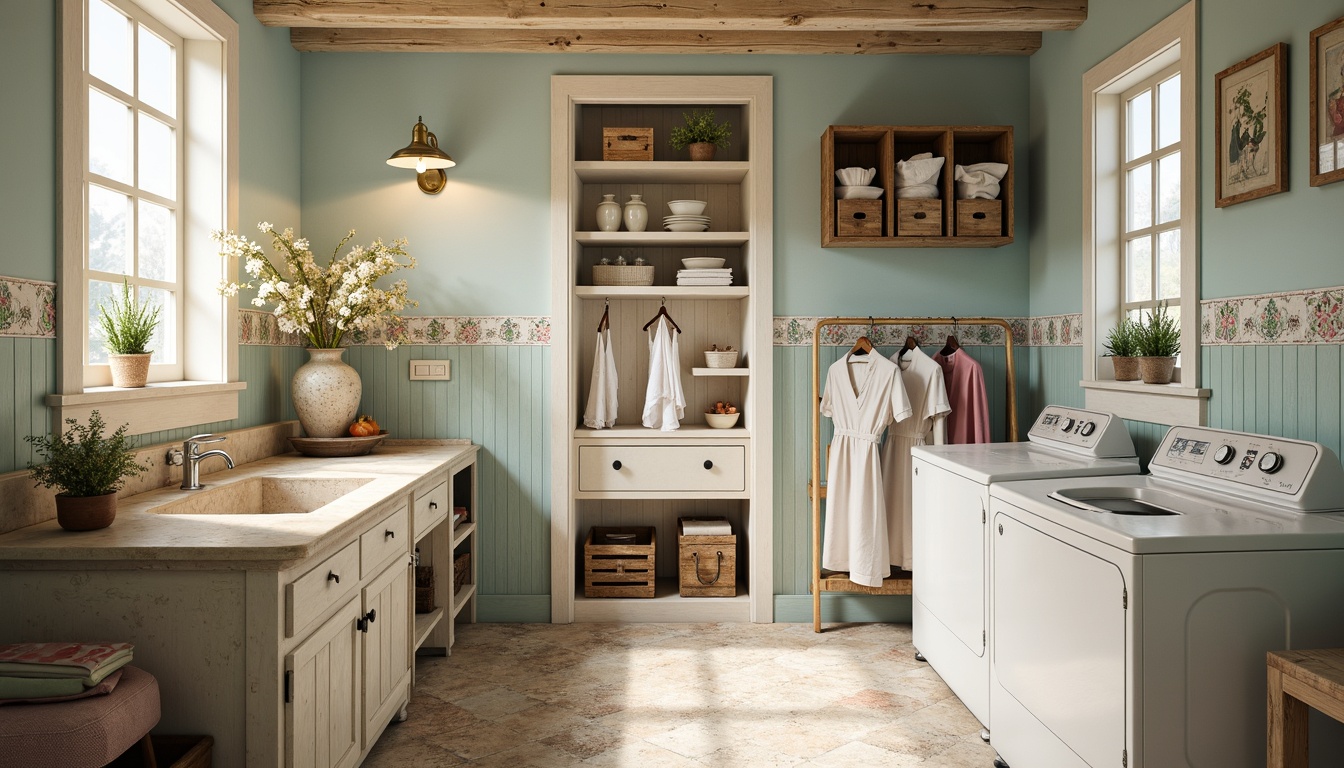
pixel 896 585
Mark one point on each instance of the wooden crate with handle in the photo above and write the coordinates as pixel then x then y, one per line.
pixel 619 562
pixel 706 564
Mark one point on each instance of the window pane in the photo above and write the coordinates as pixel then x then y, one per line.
pixel 1139 197
pixel 162 345
pixel 1169 188
pixel 158 151
pixel 157 72
pixel 109 137
pixel 100 293
pixel 1139 269
pixel 109 231
pixel 158 239
pixel 109 45
pixel 1169 112
pixel 1169 264
pixel 1139 128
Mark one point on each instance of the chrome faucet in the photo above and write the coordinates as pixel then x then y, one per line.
pixel 191 472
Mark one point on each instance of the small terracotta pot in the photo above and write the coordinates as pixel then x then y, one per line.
pixel 702 150
pixel 1126 368
pixel 129 371
pixel 1157 370
pixel 85 513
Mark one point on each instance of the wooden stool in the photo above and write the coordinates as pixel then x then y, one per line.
pixel 1297 680
pixel 83 733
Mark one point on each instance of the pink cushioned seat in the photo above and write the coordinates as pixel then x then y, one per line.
pixel 85 733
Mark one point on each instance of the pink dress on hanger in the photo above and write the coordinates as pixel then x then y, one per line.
pixel 969 420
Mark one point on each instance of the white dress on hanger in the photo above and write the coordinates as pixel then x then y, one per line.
pixel 601 410
pixel 861 398
pixel 923 379
pixel 664 403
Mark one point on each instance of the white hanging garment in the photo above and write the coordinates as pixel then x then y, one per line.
pixel 601 410
pixel 664 403
pixel 924 386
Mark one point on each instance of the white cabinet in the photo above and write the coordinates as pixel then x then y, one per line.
pixel 322 722
pixel 439 540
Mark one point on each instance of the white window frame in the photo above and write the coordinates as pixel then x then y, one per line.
pixel 1152 159
pixel 1172 42
pixel 207 390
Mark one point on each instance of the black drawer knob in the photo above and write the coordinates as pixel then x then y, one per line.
pixel 616 465
pixel 389 534
pixel 333 576
pixel 433 505
pixel 709 464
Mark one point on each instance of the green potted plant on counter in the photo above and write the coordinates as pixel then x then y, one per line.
pixel 1122 346
pixel 1159 342
pixel 128 328
pixel 701 133
pixel 88 468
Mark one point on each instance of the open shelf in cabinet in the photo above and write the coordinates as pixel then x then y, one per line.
pixel 662 239
pixel 655 292
pixel 667 605
pixel 720 371
pixel 641 432
pixel 657 172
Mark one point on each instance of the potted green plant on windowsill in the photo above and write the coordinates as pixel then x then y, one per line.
pixel 701 133
pixel 1122 346
pixel 88 468
pixel 128 328
pixel 1159 342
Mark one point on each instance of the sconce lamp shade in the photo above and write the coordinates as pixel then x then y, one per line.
pixel 422 153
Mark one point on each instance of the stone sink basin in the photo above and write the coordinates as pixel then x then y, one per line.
pixel 264 496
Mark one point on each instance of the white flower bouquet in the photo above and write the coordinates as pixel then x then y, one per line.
pixel 322 303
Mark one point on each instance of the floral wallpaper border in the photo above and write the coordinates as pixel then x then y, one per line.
pixel 27 308
pixel 260 328
pixel 1313 316
pixel 1049 331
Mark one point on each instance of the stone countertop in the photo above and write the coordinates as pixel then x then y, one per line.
pixel 140 538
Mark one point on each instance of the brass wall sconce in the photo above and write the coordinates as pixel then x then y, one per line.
pixel 423 154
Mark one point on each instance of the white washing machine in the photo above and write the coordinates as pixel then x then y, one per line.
pixel 1131 615
pixel 950 486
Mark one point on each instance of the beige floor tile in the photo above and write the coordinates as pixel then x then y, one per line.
pixel 497 703
pixel 531 755
pixel 640 754
pixel 858 753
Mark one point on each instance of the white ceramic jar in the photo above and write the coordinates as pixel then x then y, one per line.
pixel 608 214
pixel 636 214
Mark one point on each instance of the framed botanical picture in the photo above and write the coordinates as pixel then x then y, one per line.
pixel 1250 125
pixel 1327 103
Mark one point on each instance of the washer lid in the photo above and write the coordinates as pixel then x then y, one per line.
pixel 986 463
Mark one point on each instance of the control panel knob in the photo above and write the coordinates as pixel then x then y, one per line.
pixel 1270 463
pixel 1087 429
pixel 1066 424
pixel 1225 454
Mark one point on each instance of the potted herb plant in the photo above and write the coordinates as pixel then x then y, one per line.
pixel 88 468
pixel 1159 342
pixel 1122 346
pixel 128 327
pixel 702 133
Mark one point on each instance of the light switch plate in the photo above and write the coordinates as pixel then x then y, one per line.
pixel 431 370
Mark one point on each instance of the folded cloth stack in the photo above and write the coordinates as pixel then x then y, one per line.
pixel 705 276
pixel 706 528
pixel 918 176
pixel 980 180
pixel 43 670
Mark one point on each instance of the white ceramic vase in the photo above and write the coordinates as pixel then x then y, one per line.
pixel 326 393
pixel 608 214
pixel 636 214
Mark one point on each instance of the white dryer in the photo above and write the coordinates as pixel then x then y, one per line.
pixel 1131 615
pixel 950 485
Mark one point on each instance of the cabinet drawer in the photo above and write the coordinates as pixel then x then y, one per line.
pixel 384 540
pixel 664 468
pixel 430 509
pixel 310 595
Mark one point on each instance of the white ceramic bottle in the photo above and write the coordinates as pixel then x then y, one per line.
pixel 608 214
pixel 636 214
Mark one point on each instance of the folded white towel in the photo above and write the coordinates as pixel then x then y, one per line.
pixel 920 170
pixel 914 191
pixel 706 528
pixel 980 180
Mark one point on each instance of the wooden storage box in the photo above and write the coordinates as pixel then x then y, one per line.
pixel 707 565
pixel 461 571
pixel 858 217
pixel 624 569
pixel 979 218
pixel 424 588
pixel 919 218
pixel 627 143
pixel 624 274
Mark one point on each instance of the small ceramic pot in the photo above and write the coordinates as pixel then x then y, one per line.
pixel 702 150
pixel 1126 368
pixel 129 371
pixel 85 513
pixel 636 214
pixel 1157 370
pixel 608 214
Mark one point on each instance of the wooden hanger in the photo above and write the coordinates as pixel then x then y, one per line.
pixel 911 344
pixel 662 312
pixel 605 322
pixel 952 344
pixel 863 346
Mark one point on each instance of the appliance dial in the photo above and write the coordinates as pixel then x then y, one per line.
pixel 1066 425
pixel 1087 429
pixel 1225 454
pixel 1271 462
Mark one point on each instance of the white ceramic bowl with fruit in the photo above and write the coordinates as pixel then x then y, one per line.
pixel 722 420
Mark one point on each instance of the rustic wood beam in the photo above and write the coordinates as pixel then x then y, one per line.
pixel 642 41
pixel 664 15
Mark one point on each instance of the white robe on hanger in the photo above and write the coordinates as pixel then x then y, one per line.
pixel 923 379
pixel 601 410
pixel 664 403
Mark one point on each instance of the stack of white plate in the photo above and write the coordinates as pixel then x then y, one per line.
pixel 685 223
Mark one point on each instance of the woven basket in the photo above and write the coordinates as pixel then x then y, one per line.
pixel 721 359
pixel 424 588
pixel 461 571
pixel 611 274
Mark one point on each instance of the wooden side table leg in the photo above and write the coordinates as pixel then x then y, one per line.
pixel 1286 738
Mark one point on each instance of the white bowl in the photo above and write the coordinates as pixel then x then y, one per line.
pixel 685 226
pixel 856 177
pixel 860 193
pixel 722 420
pixel 702 262
pixel 690 207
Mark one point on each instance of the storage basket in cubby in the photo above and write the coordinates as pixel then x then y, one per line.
pixel 614 568
pixel 614 274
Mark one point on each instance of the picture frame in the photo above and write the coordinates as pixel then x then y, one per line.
pixel 1327 103
pixel 1251 128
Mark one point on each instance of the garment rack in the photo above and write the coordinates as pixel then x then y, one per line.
pixel 896 585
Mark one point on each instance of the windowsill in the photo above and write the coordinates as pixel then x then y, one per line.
pixel 1156 403
pixel 154 407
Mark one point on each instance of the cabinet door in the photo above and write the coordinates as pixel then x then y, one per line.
pixel 387 659
pixel 322 716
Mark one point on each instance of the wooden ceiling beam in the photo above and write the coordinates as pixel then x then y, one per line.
pixel 666 15
pixel 642 41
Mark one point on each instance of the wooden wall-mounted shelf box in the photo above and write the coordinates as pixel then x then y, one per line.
pixel 881 147
pixel 919 218
pixel 861 218
pixel 979 218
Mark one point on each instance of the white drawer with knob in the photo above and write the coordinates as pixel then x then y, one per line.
pixel 663 469
pixel 309 596
pixel 430 509
pixel 382 541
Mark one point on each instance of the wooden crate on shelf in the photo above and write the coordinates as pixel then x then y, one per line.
pixel 858 217
pixel 613 567
pixel 461 571
pixel 979 218
pixel 707 564
pixel 919 217
pixel 627 143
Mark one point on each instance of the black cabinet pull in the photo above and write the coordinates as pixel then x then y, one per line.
pixel 709 464
pixel 616 465
pixel 372 615
pixel 362 624
pixel 433 505
pixel 333 576
pixel 389 534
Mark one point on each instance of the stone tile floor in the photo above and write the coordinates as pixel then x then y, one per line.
pixel 653 695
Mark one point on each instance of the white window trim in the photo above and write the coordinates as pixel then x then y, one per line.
pixel 1172 40
pixel 209 391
